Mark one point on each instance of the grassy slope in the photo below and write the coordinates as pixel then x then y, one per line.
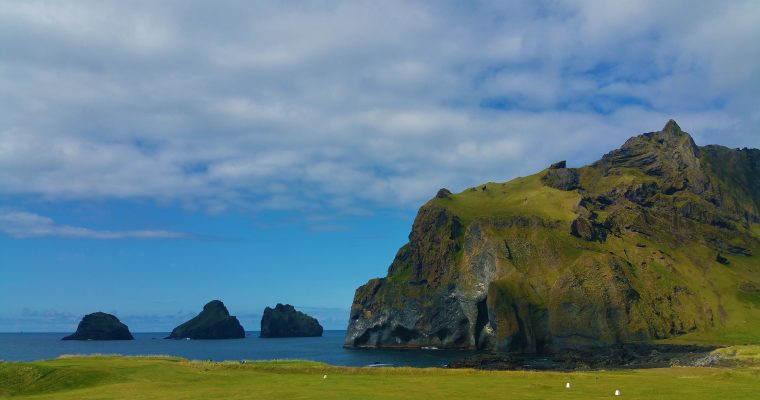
pixel 523 196
pixel 527 196
pixel 172 378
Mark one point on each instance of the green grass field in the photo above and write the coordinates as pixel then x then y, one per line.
pixel 115 377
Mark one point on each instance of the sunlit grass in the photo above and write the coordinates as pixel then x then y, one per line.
pixel 111 377
pixel 525 196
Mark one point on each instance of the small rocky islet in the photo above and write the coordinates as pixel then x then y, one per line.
pixel 284 321
pixel 213 322
pixel 100 326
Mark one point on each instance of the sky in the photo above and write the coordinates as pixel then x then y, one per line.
pixel 158 155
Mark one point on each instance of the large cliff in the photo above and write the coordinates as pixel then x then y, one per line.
pixel 657 239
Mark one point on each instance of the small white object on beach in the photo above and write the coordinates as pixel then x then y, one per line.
pixel 324 377
pixel 567 385
pixel 617 392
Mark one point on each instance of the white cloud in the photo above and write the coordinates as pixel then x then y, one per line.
pixel 348 104
pixel 21 224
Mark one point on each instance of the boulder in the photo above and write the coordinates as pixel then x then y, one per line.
pixel 587 230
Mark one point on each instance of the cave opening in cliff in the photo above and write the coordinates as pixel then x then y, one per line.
pixel 480 323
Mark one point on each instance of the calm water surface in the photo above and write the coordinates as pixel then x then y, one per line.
pixel 328 349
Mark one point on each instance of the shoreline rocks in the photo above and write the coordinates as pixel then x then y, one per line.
pixel 624 356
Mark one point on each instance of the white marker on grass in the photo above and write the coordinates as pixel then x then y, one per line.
pixel 567 385
pixel 324 377
pixel 617 392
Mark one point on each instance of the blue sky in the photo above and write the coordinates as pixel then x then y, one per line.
pixel 154 156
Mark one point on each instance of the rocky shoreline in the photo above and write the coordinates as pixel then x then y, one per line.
pixel 620 356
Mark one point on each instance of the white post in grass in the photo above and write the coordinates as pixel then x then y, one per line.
pixel 617 392
pixel 324 377
pixel 567 385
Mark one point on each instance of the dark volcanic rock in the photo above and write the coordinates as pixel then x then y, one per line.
pixel 100 326
pixel 620 356
pixel 561 178
pixel 443 193
pixel 559 165
pixel 214 322
pixel 587 230
pixel 285 321
pixel 723 260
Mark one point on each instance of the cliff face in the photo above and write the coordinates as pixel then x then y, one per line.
pixel 100 326
pixel 285 321
pixel 214 322
pixel 654 240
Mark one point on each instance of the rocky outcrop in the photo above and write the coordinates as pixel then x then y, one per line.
pixel 559 177
pixel 633 355
pixel 214 322
pixel 443 193
pixel 100 326
pixel 284 321
pixel 589 230
pixel 559 165
pixel 622 250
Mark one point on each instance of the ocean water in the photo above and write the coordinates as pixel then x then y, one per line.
pixel 328 349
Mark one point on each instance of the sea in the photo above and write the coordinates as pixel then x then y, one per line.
pixel 328 349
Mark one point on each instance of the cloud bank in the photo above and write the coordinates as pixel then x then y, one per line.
pixel 348 105
pixel 21 224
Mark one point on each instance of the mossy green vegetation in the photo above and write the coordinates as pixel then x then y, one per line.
pixel 520 196
pixel 113 377
pixel 747 356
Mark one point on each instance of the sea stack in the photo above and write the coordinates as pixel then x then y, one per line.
pixel 100 326
pixel 214 322
pixel 285 321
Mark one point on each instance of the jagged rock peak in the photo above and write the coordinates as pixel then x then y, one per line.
pixel 671 144
pixel 559 165
pixel 216 305
pixel 671 127
pixel 670 138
